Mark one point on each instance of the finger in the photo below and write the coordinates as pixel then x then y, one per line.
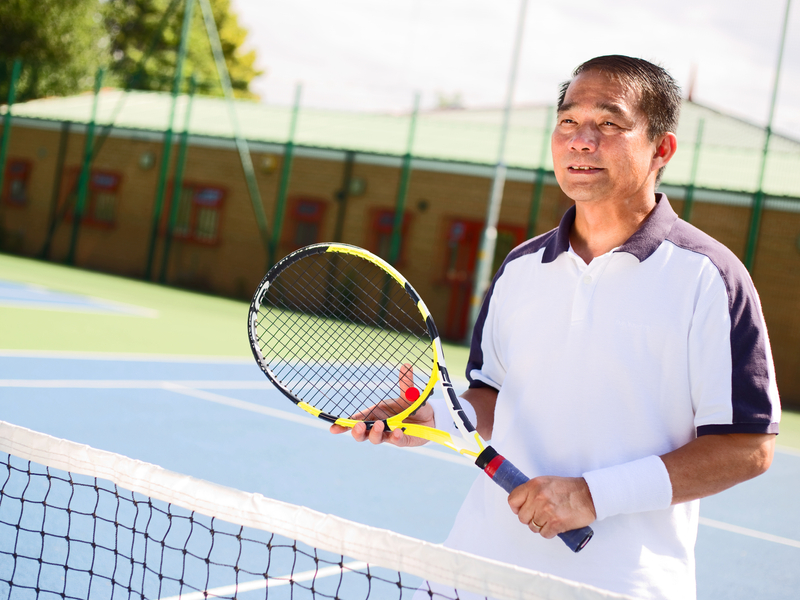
pixel 548 533
pixel 360 432
pixel 536 527
pixel 398 438
pixel 406 378
pixel 337 429
pixel 376 433
pixel 517 499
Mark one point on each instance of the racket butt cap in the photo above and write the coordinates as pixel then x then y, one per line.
pixel 485 457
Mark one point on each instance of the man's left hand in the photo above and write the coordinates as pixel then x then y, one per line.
pixel 553 505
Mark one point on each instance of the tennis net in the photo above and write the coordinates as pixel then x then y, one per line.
pixel 82 523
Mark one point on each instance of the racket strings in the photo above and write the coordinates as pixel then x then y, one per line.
pixel 350 370
pixel 348 342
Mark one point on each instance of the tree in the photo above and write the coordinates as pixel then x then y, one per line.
pixel 144 36
pixel 61 44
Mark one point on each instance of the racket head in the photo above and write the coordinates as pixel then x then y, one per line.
pixel 337 329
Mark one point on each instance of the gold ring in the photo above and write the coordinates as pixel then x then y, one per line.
pixel 535 524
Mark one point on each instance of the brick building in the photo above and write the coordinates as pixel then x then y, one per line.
pixel 343 186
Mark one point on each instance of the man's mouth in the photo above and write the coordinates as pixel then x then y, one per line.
pixel 583 168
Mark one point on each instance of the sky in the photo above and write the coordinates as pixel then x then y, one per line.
pixel 374 55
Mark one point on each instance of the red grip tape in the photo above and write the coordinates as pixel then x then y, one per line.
pixel 493 465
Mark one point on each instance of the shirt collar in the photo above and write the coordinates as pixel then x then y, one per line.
pixel 650 235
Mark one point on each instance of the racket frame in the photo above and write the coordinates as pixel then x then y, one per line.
pixel 470 444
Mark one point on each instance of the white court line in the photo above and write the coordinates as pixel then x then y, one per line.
pixel 126 356
pixel 787 450
pixel 309 421
pixel 134 384
pixel 259 584
pixel 197 389
pixel 749 532
pixel 107 307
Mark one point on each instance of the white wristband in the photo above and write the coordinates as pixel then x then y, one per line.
pixel 637 486
pixel 444 420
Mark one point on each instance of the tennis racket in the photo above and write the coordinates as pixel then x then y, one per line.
pixel 338 330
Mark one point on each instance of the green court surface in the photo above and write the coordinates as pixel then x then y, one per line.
pixel 159 320
pixel 162 320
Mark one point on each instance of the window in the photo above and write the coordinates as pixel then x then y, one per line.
pixel 382 225
pixel 15 186
pixel 101 198
pixel 306 222
pixel 198 215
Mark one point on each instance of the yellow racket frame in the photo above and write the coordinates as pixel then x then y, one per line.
pixel 471 443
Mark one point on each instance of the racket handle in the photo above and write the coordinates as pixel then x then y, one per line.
pixel 508 477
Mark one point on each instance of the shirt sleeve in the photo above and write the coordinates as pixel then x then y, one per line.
pixel 732 377
pixel 485 367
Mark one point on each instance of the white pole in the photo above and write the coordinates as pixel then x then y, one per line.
pixel 489 238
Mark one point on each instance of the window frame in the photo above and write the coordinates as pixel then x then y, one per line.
pixel 89 217
pixel 8 178
pixel 289 236
pixel 195 207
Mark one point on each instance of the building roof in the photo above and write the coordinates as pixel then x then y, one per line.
pixel 729 158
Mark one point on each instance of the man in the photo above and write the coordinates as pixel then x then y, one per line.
pixel 621 360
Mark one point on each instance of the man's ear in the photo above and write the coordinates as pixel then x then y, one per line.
pixel 665 149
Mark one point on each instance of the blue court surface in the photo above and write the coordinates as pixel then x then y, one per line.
pixel 220 420
pixel 31 296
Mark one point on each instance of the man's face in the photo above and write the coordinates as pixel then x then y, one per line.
pixel 601 150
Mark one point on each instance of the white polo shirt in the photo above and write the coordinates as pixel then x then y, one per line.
pixel 636 354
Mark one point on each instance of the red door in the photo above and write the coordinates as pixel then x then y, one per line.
pixel 463 240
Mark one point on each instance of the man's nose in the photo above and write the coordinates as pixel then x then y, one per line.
pixel 585 138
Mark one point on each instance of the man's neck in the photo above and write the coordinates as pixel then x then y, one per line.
pixel 600 227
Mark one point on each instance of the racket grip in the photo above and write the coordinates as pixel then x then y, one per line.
pixel 508 477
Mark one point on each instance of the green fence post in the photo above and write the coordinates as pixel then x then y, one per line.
pixel 54 217
pixel 241 142
pixel 688 202
pixel 758 199
pixel 177 184
pixel 343 194
pixel 165 158
pixel 402 189
pixel 283 188
pixel 12 92
pixel 83 181
pixel 538 189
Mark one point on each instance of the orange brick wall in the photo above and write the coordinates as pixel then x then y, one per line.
pixel 236 264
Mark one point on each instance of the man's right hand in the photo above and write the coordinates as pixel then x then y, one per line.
pixel 378 433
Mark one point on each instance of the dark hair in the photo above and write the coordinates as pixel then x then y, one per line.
pixel 660 95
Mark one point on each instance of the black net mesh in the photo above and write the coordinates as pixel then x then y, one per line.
pixel 64 535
